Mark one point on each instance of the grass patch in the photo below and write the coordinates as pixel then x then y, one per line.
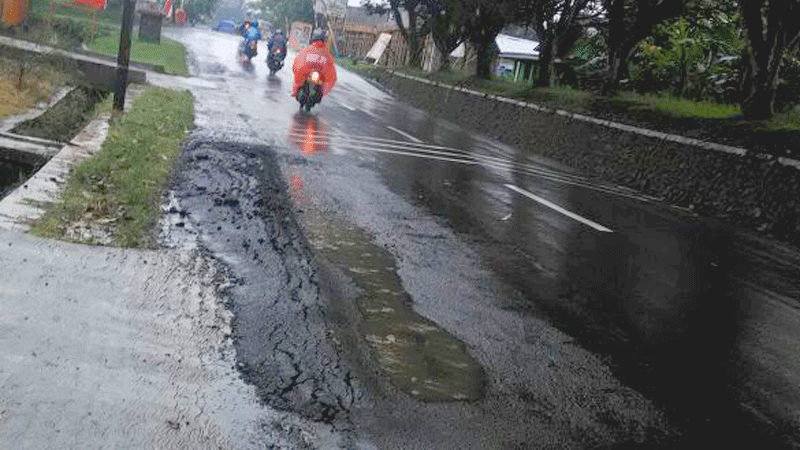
pixel 582 100
pixel 119 189
pixel 681 107
pixel 16 99
pixel 169 54
pixel 707 121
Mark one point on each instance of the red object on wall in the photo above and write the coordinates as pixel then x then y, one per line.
pixel 96 4
pixel 13 11
pixel 180 16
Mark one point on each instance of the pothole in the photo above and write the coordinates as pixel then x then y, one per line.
pixel 418 357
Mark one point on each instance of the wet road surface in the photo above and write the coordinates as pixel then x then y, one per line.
pixel 421 286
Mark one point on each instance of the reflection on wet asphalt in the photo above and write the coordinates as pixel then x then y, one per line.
pixel 670 332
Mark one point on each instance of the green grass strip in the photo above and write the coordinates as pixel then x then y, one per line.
pixel 169 54
pixel 120 187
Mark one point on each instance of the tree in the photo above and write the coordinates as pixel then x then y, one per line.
pixel 447 23
pixel 684 52
pixel 696 54
pixel 630 21
pixel 284 12
pixel 485 19
pixel 771 28
pixel 557 24
pixel 195 8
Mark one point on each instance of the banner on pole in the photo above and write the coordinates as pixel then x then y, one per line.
pixel 95 4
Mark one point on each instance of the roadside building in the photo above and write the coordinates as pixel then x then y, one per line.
pixel 516 58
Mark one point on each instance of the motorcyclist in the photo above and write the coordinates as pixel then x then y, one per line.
pixel 314 57
pixel 277 40
pixel 244 27
pixel 251 33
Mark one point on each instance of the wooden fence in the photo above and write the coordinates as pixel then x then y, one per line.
pixel 358 39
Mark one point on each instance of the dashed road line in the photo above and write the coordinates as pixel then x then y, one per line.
pixel 555 207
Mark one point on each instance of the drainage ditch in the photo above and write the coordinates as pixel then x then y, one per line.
pixel 64 120
pixel 60 123
pixel 13 174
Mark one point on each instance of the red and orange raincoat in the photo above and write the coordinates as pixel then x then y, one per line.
pixel 314 57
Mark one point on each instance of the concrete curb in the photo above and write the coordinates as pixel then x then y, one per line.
pixel 10 122
pixel 611 124
pixel 94 72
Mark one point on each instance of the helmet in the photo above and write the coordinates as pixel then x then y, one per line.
pixel 278 31
pixel 318 35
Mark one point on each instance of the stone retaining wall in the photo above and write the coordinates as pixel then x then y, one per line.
pixel 756 191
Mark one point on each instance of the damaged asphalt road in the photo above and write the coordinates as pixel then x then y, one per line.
pixel 237 203
pixel 415 285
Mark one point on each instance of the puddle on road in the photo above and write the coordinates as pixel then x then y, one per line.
pixel 418 357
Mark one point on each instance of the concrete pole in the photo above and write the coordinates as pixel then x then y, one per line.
pixel 124 54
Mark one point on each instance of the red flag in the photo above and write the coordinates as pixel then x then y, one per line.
pixel 167 10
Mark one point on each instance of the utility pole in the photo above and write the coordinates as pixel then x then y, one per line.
pixel 124 54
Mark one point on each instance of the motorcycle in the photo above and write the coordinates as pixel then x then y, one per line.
pixel 275 59
pixel 310 93
pixel 248 50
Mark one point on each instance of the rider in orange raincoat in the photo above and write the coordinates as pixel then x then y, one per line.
pixel 314 57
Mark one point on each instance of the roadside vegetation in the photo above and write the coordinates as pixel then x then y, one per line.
pixel 74 29
pixel 168 54
pixel 112 15
pixel 23 85
pixel 118 190
pixel 683 56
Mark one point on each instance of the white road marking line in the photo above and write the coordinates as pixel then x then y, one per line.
pixel 404 134
pixel 411 150
pixel 347 106
pixel 457 152
pixel 555 207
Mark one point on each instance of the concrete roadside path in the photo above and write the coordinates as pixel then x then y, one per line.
pixel 111 348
